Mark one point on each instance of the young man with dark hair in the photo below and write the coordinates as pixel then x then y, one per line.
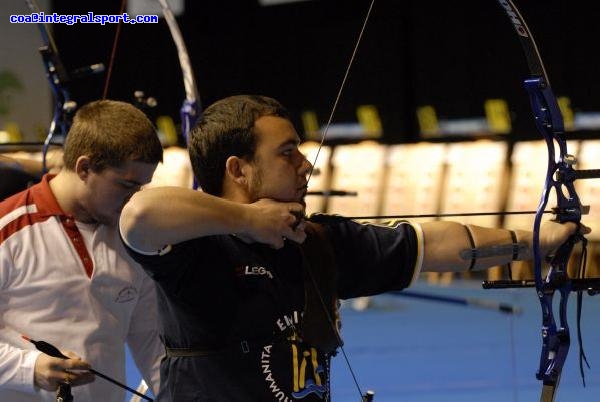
pixel 248 287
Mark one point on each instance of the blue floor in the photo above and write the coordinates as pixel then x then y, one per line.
pixel 408 350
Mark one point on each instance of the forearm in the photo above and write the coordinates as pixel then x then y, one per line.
pixel 451 246
pixel 168 215
pixel 28 165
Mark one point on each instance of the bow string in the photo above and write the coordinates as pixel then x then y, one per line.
pixel 369 395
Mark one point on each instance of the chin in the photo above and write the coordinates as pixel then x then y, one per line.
pixel 299 200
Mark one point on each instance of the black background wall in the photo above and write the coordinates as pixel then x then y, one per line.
pixel 452 55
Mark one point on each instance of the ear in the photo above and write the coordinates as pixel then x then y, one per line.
pixel 83 167
pixel 236 170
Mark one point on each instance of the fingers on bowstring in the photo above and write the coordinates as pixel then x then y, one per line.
pixel 289 233
pixel 296 209
pixel 296 232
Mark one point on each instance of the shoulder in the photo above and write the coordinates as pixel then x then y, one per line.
pixel 16 213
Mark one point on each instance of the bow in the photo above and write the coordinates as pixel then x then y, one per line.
pixel 191 107
pixel 560 177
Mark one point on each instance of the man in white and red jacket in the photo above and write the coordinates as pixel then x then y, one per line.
pixel 65 277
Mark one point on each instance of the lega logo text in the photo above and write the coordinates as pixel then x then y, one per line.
pixel 252 270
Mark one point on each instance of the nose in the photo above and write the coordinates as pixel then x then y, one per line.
pixel 305 167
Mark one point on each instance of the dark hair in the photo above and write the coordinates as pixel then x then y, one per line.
pixel 111 133
pixel 227 129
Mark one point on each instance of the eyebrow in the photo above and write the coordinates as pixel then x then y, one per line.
pixel 294 142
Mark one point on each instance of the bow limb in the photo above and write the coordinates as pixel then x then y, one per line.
pixel 191 107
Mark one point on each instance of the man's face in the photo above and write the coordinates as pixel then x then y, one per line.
pixel 279 170
pixel 106 192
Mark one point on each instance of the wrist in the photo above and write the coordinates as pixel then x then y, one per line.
pixel 25 379
pixel 524 240
pixel 243 222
